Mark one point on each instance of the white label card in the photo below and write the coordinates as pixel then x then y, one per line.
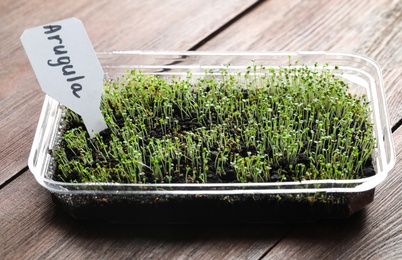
pixel 67 68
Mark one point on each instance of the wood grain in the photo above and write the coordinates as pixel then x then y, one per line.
pixel 375 233
pixel 31 227
pixel 370 28
pixel 117 25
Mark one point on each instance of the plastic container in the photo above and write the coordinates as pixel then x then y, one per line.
pixel 251 202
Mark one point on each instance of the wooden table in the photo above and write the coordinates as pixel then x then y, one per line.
pixel 31 227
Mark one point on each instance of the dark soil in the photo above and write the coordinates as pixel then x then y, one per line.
pixel 246 208
pixel 186 124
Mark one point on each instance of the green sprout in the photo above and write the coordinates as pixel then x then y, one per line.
pixel 265 125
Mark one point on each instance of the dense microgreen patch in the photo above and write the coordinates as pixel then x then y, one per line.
pixel 288 124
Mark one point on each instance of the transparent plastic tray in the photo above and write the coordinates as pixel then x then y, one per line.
pixel 241 202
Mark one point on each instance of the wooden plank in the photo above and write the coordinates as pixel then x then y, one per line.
pixel 122 25
pixel 393 91
pixel 375 233
pixel 26 211
pixel 371 28
pixel 17 128
pixel 31 227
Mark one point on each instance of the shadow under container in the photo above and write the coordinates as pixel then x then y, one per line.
pixel 226 202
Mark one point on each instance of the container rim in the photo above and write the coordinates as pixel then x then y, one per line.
pixel 340 186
